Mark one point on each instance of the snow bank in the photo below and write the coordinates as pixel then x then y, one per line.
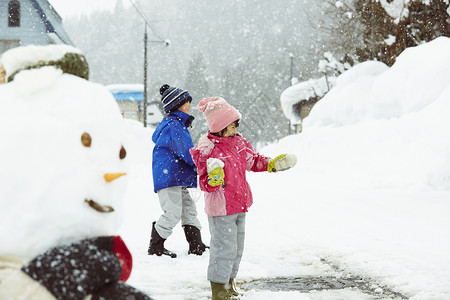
pixel 381 127
pixel 371 90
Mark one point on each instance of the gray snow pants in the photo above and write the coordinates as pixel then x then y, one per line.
pixel 177 205
pixel 227 246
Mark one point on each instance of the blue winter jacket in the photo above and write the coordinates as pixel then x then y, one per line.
pixel 172 162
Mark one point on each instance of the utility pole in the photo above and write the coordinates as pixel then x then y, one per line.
pixel 145 75
pixel 159 41
pixel 291 56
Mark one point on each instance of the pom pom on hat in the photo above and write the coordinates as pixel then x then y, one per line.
pixel 218 113
pixel 173 98
pixel 163 88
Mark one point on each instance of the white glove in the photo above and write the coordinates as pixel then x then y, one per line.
pixel 282 162
pixel 213 163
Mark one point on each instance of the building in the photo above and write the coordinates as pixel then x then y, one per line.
pixel 298 99
pixel 30 22
pixel 130 98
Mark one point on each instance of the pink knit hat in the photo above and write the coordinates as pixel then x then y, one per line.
pixel 218 113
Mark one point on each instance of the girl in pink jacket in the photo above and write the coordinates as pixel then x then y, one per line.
pixel 222 157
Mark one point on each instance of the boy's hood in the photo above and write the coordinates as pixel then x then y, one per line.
pixel 160 128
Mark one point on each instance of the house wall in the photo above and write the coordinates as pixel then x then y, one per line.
pixel 303 108
pixel 31 31
pixel 131 110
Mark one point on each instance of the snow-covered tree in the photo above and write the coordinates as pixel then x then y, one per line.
pixel 341 30
pixel 360 30
pixel 392 26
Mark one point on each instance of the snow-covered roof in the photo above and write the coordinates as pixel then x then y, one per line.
pixel 52 20
pixel 302 91
pixel 122 88
pixel 127 92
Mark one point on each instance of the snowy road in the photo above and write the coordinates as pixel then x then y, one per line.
pixel 334 285
pixel 392 240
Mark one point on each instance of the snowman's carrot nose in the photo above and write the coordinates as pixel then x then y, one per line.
pixel 113 176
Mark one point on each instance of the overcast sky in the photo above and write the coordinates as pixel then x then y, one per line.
pixel 74 8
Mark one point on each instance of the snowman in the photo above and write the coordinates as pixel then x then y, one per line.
pixel 63 165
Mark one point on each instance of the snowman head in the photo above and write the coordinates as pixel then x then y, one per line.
pixel 63 153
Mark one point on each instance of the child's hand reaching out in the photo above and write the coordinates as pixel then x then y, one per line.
pixel 281 162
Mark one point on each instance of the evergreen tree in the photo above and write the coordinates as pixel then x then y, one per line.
pixel 244 48
pixel 248 85
pixel 197 78
pixel 198 86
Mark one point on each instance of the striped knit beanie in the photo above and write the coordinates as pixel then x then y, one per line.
pixel 173 98
pixel 218 113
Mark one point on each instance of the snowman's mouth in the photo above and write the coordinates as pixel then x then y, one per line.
pixel 98 207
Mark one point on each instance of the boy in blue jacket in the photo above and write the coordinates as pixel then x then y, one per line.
pixel 173 172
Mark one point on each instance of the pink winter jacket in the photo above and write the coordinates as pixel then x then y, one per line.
pixel 238 156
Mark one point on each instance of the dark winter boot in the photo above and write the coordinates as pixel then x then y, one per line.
pixel 232 288
pixel 157 244
pixel 194 239
pixel 219 292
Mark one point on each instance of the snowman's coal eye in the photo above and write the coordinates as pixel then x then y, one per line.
pixel 86 139
pixel 122 153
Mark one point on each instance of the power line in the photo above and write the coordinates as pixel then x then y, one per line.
pixel 139 10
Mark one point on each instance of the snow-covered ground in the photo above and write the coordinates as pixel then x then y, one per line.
pixel 369 197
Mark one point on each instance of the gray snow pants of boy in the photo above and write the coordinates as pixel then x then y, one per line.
pixel 226 248
pixel 177 205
